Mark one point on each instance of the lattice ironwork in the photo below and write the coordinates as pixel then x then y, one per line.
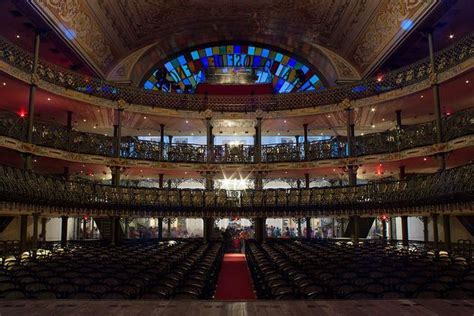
pixel 411 136
pixel 20 187
pixel 419 71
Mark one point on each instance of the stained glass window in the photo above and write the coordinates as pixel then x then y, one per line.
pixel 185 72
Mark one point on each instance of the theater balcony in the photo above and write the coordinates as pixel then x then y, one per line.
pixel 237 151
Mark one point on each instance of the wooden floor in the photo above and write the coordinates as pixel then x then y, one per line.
pixel 261 308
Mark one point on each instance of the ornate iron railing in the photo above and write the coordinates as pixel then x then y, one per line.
pixel 444 59
pixel 411 136
pixel 451 186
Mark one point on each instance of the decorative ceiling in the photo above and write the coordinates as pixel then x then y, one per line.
pixel 344 39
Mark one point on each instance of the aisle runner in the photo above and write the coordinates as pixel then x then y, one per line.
pixel 235 282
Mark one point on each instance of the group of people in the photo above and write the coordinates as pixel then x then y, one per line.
pixel 140 232
pixel 292 232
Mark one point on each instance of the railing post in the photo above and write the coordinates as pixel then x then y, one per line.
pixel 308 227
pixel 209 138
pixel 34 238
pixel 306 142
pixel 44 220
pixel 162 141
pixel 306 181
pixel 384 229
pixel 84 228
pixel 437 103
pixel 258 140
pixel 352 174
pixel 64 223
pixel 435 230
pixel 69 130
pixel 32 98
pixel 299 228
pixel 425 229
pixel 260 230
pixel 402 173
pixel 398 113
pixel 447 231
pixel 160 180
pixel 160 228
pixel 259 180
pixel 405 230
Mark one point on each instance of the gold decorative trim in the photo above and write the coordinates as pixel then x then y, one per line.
pixel 458 143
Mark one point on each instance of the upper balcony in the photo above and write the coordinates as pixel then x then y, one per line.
pixel 20 63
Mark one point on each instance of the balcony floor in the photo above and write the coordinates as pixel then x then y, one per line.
pixel 270 308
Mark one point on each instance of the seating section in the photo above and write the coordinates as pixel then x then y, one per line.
pixel 284 269
pixel 134 270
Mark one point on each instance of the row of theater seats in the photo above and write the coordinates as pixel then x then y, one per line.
pixel 341 270
pixel 133 270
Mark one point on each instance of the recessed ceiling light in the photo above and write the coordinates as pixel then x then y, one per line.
pixel 95 126
pixel 185 172
pixel 85 120
pixel 106 134
pixel 329 116
pixel 49 99
pixel 284 121
pixel 383 120
pixel 373 126
pixel 4 83
pixel 149 134
pixel 192 134
pixel 17 36
pixel 424 159
pixel 421 96
pixel 144 117
pixel 467 81
pixel 372 109
pixel 361 134
pixel 279 134
pixel 451 36
pixel 187 122
pixel 322 134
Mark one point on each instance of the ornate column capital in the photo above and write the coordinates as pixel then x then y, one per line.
pixel 207 114
pixel 434 78
pixel 122 104
pixel 346 104
pixel 34 79
pixel 259 114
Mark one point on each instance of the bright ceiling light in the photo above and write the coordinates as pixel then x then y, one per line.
pixel 451 36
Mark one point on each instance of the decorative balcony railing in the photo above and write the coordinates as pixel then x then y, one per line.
pixel 411 136
pixel 25 187
pixel 444 59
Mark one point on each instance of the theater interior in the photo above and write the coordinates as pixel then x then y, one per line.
pixel 236 157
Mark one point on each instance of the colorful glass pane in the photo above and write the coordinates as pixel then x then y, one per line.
pixel 185 72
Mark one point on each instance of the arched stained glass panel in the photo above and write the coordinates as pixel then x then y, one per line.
pixel 233 64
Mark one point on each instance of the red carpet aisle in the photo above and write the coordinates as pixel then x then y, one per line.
pixel 235 282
